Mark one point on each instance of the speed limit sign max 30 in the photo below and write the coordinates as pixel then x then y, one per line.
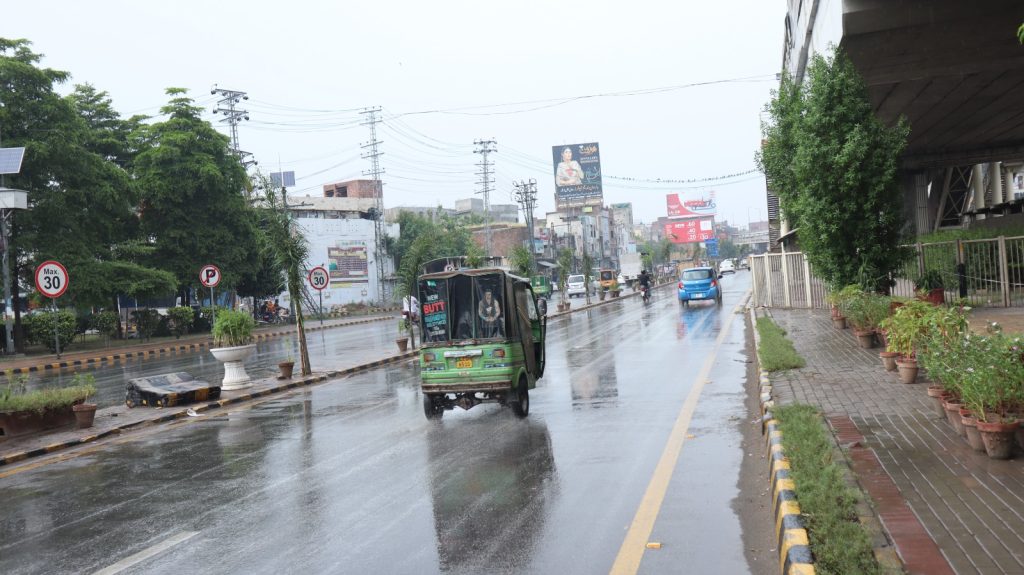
pixel 51 279
pixel 319 278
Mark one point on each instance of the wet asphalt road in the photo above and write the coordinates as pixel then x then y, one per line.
pixel 333 348
pixel 349 477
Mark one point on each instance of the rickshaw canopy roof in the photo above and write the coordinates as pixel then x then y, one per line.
pixel 475 273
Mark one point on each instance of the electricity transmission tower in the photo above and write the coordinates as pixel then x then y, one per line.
pixel 526 195
pixel 484 147
pixel 228 105
pixel 375 172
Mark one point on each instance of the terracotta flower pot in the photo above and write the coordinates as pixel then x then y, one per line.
pixel 286 368
pixel 938 395
pixel 85 413
pixel 883 339
pixel 953 414
pixel 403 343
pixel 839 322
pixel 998 438
pixel 908 370
pixel 962 428
pixel 889 359
pixel 866 339
pixel 973 435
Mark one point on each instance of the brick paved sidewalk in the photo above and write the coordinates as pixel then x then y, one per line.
pixel 971 507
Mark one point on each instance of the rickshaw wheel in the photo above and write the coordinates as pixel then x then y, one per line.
pixel 430 407
pixel 521 404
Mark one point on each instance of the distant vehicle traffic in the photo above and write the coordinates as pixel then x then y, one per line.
pixel 699 284
pixel 744 264
pixel 575 286
pixel 727 267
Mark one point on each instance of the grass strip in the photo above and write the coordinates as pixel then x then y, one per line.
pixel 841 545
pixel 776 352
pixel 41 400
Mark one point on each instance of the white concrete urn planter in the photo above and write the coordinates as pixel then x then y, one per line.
pixel 234 365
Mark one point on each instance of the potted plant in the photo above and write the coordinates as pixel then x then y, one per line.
pixel 993 387
pixel 403 337
pixel 232 336
pixel 839 300
pixel 85 412
pixel 930 287
pixel 23 412
pixel 906 329
pixel 286 367
pixel 864 312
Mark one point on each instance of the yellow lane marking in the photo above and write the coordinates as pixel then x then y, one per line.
pixel 633 546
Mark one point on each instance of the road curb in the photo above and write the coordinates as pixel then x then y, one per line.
pixel 209 406
pixel 191 347
pixel 795 554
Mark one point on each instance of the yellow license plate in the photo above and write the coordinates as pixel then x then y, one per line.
pixel 464 363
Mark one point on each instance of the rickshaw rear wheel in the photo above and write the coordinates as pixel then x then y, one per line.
pixel 521 403
pixel 430 407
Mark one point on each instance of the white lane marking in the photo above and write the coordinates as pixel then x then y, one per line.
pixel 147 553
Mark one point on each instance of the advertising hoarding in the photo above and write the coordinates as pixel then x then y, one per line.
pixel 348 264
pixel 691 205
pixel 690 230
pixel 577 174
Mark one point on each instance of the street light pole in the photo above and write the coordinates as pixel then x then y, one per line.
pixel 9 201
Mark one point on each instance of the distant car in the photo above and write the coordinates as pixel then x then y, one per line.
pixel 622 282
pixel 744 264
pixel 699 284
pixel 576 285
pixel 727 267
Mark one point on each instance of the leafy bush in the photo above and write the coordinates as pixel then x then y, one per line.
pixel 41 330
pixel 181 320
pixel 15 398
pixel 865 311
pixel 931 279
pixel 104 322
pixel 232 328
pixel 146 321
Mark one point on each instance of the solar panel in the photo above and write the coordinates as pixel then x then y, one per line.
pixel 289 179
pixel 10 160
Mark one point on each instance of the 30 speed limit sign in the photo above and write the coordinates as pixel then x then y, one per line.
pixel 51 279
pixel 319 278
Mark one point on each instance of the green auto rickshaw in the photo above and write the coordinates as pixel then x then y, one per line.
pixel 483 340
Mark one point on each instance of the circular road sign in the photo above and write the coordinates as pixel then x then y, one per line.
pixel 51 279
pixel 319 278
pixel 209 276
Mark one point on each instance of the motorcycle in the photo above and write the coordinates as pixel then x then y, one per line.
pixel 645 292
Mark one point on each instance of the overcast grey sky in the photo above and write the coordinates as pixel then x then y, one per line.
pixel 308 68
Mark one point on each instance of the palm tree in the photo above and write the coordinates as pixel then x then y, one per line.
pixel 289 250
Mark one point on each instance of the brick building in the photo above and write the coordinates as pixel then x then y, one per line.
pixel 352 189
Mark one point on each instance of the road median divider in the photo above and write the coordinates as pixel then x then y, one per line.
pixel 173 348
pixel 261 388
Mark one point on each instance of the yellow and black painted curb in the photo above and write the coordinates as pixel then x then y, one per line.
pixel 180 348
pixel 202 407
pixel 795 555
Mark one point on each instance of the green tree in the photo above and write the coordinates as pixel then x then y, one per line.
pixel 192 201
pixel 834 166
pixel 521 261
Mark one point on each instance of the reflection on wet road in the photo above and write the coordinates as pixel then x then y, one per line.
pixel 349 477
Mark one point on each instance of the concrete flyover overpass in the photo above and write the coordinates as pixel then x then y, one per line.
pixel 955 70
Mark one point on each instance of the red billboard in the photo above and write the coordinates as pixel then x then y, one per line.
pixel 690 231
pixel 690 206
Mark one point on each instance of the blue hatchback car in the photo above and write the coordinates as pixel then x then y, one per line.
pixel 699 283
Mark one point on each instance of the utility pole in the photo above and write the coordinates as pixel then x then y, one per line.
pixel 526 195
pixel 486 180
pixel 375 172
pixel 228 105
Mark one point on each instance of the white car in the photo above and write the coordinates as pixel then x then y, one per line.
pixel 726 267
pixel 575 285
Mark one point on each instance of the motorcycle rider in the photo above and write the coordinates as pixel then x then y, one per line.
pixel 645 283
